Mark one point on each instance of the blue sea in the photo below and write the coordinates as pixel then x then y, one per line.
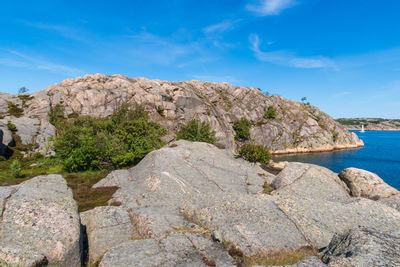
pixel 381 155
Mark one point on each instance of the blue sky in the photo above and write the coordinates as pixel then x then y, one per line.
pixel 344 56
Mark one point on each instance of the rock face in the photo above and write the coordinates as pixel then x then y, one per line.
pixel 296 128
pixel 39 224
pixel 366 184
pixel 363 247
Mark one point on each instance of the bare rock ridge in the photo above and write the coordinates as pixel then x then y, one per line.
pixel 192 204
pixel 296 128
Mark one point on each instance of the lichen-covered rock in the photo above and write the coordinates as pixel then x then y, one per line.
pixel 106 227
pixel 366 184
pixel 296 128
pixel 40 224
pixel 392 201
pixel 312 261
pixel 183 249
pixel 363 247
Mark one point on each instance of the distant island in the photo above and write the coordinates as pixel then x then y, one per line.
pixel 371 124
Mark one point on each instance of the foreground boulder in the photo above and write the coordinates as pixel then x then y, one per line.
pixel 363 247
pixel 39 224
pixel 366 184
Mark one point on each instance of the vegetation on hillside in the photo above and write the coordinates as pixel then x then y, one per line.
pixel 255 153
pixel 196 131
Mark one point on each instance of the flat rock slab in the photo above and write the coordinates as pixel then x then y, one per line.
pixel 363 247
pixel 106 227
pixel 178 250
pixel 366 184
pixel 40 224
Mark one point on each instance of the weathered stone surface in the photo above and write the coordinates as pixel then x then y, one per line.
pixel 363 247
pixel 318 203
pixel 393 201
pixel 40 224
pixel 312 261
pixel 178 250
pixel 106 227
pixel 191 184
pixel 366 184
pixel 297 127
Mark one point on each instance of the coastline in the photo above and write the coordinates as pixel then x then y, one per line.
pixel 374 129
pixel 316 149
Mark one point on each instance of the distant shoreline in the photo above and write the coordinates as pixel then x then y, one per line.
pixel 373 129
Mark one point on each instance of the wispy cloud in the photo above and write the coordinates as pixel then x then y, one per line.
pixel 270 7
pixel 289 59
pixel 341 94
pixel 223 26
pixel 65 31
pixel 21 60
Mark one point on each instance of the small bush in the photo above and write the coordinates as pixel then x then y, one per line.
pixel 16 169
pixel 160 110
pixel 270 113
pixel 56 115
pixel 14 110
pixel 255 153
pixel 242 129
pixel 11 126
pixel 335 136
pixel 196 131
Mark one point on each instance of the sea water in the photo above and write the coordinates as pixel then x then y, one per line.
pixel 380 155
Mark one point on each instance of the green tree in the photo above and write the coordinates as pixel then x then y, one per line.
pixel 242 129
pixel 196 131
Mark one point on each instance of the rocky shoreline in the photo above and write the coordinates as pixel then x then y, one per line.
pixel 192 204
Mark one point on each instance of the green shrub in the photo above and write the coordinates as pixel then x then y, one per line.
pixel 160 110
pixel 255 153
pixel 335 136
pixel 11 126
pixel 14 110
pixel 270 113
pixel 196 131
pixel 56 115
pixel 89 143
pixel 16 168
pixel 242 129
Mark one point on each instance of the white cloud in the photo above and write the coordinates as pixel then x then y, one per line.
pixel 223 26
pixel 270 7
pixel 25 61
pixel 289 59
pixel 65 31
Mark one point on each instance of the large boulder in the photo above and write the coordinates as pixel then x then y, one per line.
pixel 363 247
pixel 318 203
pixel 366 184
pixel 40 224
pixel 189 185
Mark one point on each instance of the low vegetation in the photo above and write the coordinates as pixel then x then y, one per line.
pixel 242 129
pixel 255 153
pixel 14 110
pixel 270 113
pixel 196 131
pixel 11 126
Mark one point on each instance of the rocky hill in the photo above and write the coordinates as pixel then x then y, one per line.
pixel 371 124
pixel 296 127
pixel 192 204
